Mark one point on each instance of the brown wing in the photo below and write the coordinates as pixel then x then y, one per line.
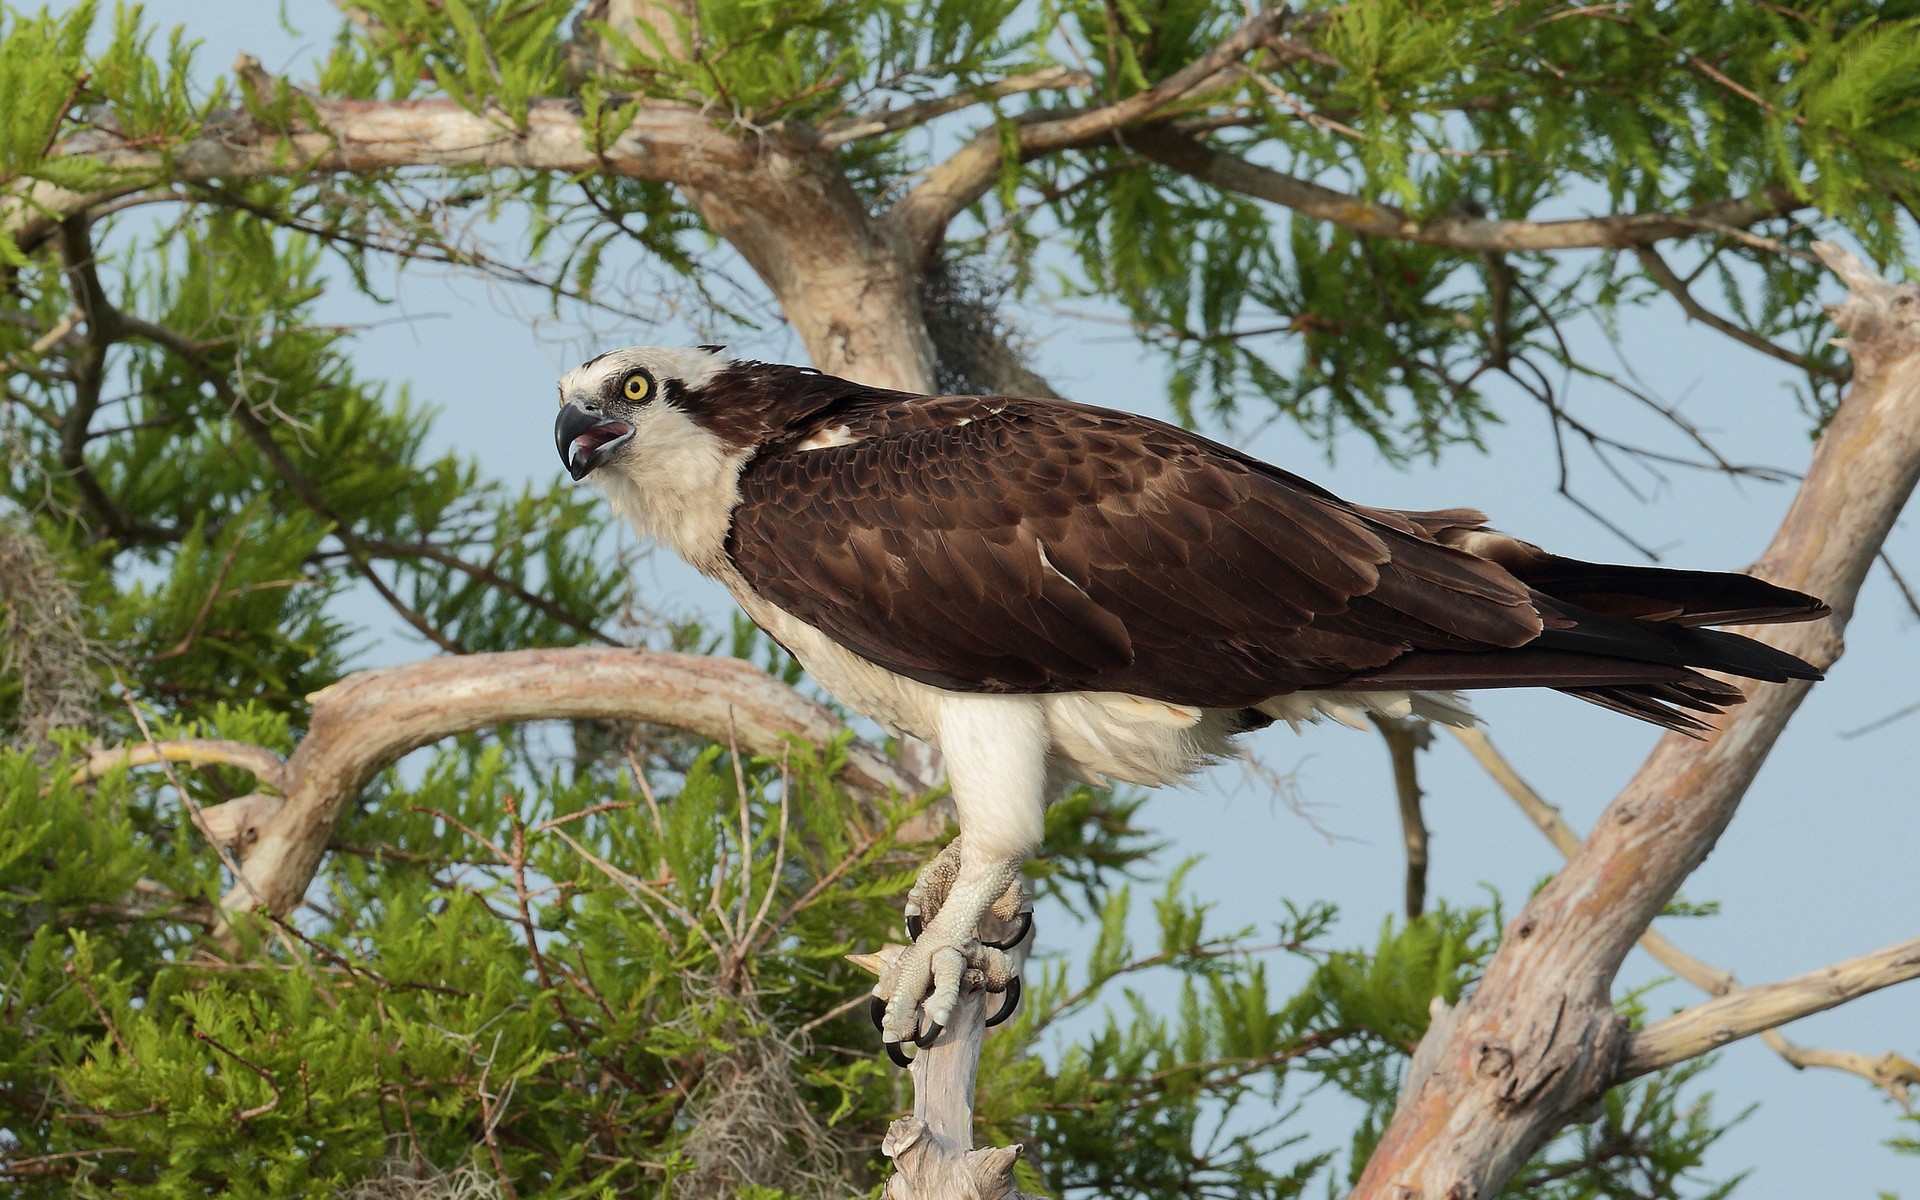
pixel 1003 545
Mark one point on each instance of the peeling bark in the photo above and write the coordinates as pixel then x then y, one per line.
pixel 1539 1041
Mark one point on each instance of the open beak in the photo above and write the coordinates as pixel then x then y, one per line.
pixel 587 439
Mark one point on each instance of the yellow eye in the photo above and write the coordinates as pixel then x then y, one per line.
pixel 636 387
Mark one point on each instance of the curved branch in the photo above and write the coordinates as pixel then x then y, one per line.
pixel 367 721
pixel 1754 1010
pixel 265 765
pixel 1232 173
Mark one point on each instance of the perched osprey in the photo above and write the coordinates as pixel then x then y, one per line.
pixel 1050 591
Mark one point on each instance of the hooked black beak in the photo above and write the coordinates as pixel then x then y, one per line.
pixel 586 438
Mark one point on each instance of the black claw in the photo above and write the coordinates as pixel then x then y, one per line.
pixel 1019 934
pixel 914 925
pixel 900 1057
pixel 1007 1005
pixel 923 1040
pixel 877 1011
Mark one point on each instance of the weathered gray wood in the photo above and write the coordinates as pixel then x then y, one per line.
pixel 1539 1040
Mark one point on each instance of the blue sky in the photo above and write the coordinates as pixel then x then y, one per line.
pixel 1819 865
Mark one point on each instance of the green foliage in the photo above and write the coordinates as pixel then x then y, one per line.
pixel 218 478
pixel 585 983
pixel 1521 111
pixel 470 950
pixel 1517 111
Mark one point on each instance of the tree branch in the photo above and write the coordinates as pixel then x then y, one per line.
pixel 265 765
pixel 1890 1072
pixel 1539 1039
pixel 104 327
pixel 367 721
pixel 835 134
pixel 920 218
pixel 1752 1010
pixel 1405 738
pixel 1455 231
pixel 665 141
pixel 932 1148
pixel 1662 274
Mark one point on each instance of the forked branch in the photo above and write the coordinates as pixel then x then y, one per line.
pixel 1539 1040
pixel 1890 1072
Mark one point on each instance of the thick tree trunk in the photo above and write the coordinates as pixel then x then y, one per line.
pixel 848 290
pixel 1539 1041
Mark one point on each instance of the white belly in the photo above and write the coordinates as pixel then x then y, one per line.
pixel 1094 736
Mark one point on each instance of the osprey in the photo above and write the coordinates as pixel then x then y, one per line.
pixel 1049 591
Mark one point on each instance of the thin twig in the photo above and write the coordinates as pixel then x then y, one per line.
pixel 1662 274
pixel 258 1110
pixel 1405 738
pixel 891 120
pixel 100 1010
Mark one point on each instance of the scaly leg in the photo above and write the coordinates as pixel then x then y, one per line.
pixel 929 973
pixel 1015 905
pixel 996 751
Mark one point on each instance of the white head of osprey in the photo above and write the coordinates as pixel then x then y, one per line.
pixel 1050 591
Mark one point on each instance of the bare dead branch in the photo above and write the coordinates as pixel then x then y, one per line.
pixel 1751 1010
pixel 1900 582
pixel 1539 1039
pixel 932 1149
pixel 1890 1072
pixel 1405 738
pixel 369 720
pixel 265 764
pixel 1455 231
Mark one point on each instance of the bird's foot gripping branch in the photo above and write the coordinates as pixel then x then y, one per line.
pixel 931 973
